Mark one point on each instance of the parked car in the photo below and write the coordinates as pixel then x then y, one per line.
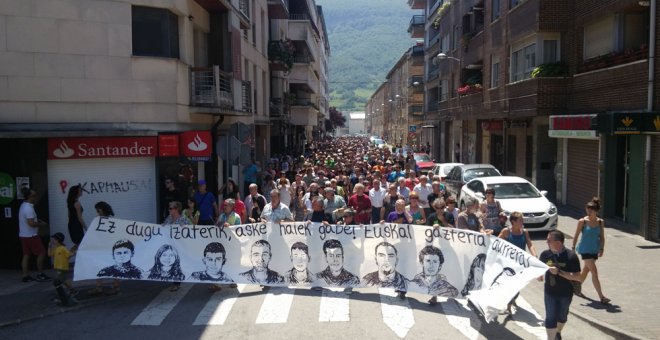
pixel 423 161
pixel 462 174
pixel 515 194
pixel 442 169
pixel 378 142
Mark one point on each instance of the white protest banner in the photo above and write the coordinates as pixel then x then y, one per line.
pixel 437 261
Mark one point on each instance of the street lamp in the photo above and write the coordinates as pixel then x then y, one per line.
pixel 443 56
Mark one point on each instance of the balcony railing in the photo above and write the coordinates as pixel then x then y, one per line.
pixel 417 51
pixel 210 86
pixel 302 59
pixel 304 102
pixel 417 20
pixel 244 7
pixel 246 96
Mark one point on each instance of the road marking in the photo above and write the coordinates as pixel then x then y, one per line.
pixel 276 305
pixel 397 314
pixel 161 306
pixel 530 321
pixel 217 309
pixel 335 306
pixel 460 317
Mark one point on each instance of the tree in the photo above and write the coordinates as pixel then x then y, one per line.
pixel 335 120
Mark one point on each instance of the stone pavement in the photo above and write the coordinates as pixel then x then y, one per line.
pixel 628 274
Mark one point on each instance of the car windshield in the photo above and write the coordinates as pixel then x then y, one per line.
pixel 422 158
pixel 514 190
pixel 471 174
pixel 445 170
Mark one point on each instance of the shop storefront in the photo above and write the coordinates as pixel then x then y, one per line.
pixel 118 170
pixel 577 171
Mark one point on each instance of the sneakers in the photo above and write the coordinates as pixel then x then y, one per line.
pixel 28 279
pixel 41 277
pixel 401 295
pixel 558 336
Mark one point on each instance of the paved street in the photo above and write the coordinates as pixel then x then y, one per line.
pixel 148 309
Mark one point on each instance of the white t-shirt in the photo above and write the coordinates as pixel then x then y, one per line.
pixel 376 196
pixel 423 191
pixel 26 212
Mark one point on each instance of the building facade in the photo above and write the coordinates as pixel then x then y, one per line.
pixel 119 96
pixel 559 92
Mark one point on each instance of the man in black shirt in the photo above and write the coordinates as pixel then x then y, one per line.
pixel 318 214
pixel 171 194
pixel 564 268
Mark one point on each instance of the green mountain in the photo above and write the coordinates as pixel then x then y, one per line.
pixel 366 38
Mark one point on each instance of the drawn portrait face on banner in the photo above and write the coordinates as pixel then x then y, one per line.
pixel 167 265
pixel 502 277
pixel 260 256
pixel 476 275
pixel 335 274
pixel 299 256
pixel 215 257
pixel 122 253
pixel 386 259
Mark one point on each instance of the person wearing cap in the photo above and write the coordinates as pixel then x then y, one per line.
pixel 61 255
pixel 206 203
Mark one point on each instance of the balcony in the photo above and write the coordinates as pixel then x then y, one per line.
pixel 416 27
pixel 417 4
pixel 211 92
pixel 280 55
pixel 303 17
pixel 210 87
pixel 304 112
pixel 615 58
pixel 278 9
pixel 302 59
pixel 417 55
pixel 246 96
pixel 537 96
pixel 244 14
pixel 303 76
pixel 278 110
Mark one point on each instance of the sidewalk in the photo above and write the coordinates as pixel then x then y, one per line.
pixel 35 300
pixel 628 275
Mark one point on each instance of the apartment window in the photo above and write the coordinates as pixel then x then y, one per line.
pixel 155 32
pixel 523 62
pixel 495 10
pixel 514 3
pixel 598 38
pixel 494 71
pixel 457 38
pixel 550 51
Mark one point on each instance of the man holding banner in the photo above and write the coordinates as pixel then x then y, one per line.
pixel 564 268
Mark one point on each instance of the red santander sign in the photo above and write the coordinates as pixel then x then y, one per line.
pixel 196 143
pixel 102 147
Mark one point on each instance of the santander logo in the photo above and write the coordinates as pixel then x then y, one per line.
pixel 197 144
pixel 63 151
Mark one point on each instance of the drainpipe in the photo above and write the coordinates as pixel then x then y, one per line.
pixel 646 217
pixel 215 151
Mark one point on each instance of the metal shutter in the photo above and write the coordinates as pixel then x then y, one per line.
pixel 654 211
pixel 127 184
pixel 582 172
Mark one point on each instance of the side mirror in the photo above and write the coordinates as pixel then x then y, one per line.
pixel 544 192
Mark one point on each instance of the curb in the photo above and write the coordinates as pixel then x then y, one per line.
pixel 62 310
pixel 607 328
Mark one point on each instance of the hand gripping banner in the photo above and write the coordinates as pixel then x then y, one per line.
pixel 445 262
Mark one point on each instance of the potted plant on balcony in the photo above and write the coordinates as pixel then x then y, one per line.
pixel 282 51
pixel 558 69
pixel 441 12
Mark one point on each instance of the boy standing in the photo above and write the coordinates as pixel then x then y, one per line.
pixel 60 254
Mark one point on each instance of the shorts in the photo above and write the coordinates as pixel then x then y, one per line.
pixel 62 275
pixel 32 246
pixel 556 309
pixel 589 256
